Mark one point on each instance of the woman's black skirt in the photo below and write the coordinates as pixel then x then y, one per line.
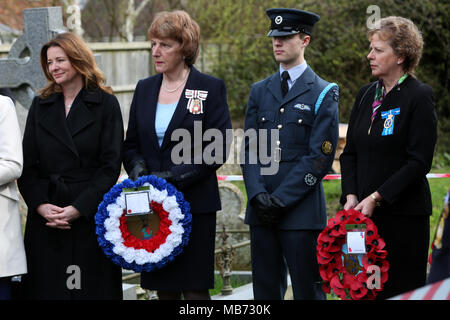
pixel 193 269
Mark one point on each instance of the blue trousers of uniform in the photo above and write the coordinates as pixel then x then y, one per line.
pixel 274 252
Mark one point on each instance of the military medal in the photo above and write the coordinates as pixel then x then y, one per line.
pixel 195 102
pixel 389 122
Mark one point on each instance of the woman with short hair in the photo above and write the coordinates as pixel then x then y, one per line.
pixel 390 143
pixel 180 97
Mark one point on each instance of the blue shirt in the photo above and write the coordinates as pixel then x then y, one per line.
pixel 294 73
pixel 164 113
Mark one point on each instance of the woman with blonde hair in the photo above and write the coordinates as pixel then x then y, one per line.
pixel 71 149
pixel 389 151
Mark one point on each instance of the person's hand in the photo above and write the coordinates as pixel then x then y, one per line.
pixel 351 203
pixel 262 201
pixel 139 169
pixel 64 219
pixel 166 175
pixel 367 206
pixel 48 212
pixel 269 208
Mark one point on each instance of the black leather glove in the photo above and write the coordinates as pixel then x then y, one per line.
pixel 166 175
pixel 261 201
pixel 139 169
pixel 269 209
pixel 184 180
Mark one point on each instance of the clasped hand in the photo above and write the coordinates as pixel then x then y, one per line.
pixel 269 208
pixel 57 217
pixel 366 206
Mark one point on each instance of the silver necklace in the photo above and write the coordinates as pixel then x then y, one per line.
pixel 178 87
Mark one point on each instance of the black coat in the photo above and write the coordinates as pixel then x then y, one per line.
pixel 394 165
pixel 70 161
pixel 200 187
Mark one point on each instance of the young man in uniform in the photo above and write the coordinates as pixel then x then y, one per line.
pixel 286 211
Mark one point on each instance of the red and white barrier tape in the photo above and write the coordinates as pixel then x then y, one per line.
pixel 328 177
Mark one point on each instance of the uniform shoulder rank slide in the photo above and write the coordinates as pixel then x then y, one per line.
pixel 389 122
pixel 196 98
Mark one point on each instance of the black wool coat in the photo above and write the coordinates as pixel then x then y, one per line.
pixel 70 161
pixel 395 165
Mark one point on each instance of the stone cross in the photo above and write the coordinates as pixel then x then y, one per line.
pixel 21 71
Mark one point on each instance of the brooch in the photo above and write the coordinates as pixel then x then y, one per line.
pixel 196 98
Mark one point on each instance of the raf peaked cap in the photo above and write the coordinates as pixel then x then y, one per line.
pixel 285 22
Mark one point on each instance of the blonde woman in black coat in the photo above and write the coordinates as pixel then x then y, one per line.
pixel 390 143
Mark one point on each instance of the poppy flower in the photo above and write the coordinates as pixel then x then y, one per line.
pixel 333 270
pixel 337 286
pixel 325 238
pixel 378 243
pixel 341 216
pixel 338 230
pixel 357 218
pixel 371 232
pixel 326 287
pixel 359 293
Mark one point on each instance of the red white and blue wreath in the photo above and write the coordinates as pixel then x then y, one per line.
pixel 151 252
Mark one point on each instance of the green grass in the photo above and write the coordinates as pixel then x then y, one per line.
pixel 218 283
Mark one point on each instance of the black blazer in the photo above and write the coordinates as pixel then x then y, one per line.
pixel 200 187
pixel 395 165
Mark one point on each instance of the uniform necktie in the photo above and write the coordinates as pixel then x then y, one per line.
pixel 284 83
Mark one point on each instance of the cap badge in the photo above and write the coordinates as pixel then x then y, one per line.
pixel 196 98
pixel 278 19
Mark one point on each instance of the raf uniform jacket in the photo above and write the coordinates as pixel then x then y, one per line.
pixel 71 160
pixel 200 187
pixel 307 139
pixel 395 164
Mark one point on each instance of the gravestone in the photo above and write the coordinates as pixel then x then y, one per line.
pixel 232 217
pixel 21 71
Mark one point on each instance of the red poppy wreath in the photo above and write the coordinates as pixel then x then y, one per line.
pixel 352 276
